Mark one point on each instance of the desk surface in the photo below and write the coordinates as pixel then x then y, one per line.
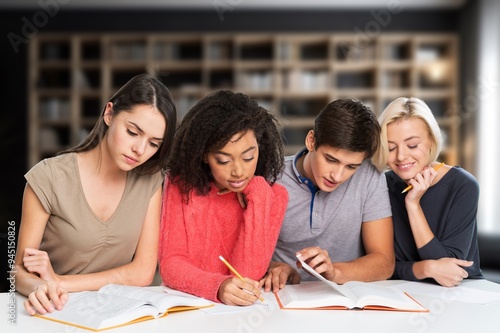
pixel 451 310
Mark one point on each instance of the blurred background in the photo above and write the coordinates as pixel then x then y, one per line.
pixel 63 59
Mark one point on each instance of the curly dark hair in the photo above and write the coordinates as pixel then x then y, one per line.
pixel 208 127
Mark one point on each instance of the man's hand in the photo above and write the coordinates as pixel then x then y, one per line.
pixel 319 260
pixel 278 274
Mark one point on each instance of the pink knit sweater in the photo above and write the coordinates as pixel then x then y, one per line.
pixel 194 235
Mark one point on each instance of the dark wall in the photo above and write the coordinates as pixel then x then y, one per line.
pixel 13 112
pixel 239 20
pixel 17 27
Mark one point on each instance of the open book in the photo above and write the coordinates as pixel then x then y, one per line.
pixel 117 305
pixel 325 294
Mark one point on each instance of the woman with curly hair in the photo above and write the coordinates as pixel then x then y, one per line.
pixel 221 199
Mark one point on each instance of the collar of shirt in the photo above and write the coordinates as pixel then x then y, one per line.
pixel 302 179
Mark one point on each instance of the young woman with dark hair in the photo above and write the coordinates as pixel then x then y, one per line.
pixel 91 214
pixel 221 199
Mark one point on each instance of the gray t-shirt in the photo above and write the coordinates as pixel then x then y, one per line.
pixel 331 220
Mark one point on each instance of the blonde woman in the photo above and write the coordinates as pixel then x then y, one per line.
pixel 435 229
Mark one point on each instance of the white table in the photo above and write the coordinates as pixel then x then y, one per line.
pixel 449 313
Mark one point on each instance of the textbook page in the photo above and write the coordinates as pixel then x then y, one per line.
pixel 95 311
pixel 163 301
pixel 310 295
pixel 118 305
pixel 318 295
pixel 368 295
pixel 351 295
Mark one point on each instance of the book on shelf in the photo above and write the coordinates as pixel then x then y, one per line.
pixel 353 295
pixel 118 305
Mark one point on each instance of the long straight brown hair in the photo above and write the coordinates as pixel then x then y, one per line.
pixel 142 89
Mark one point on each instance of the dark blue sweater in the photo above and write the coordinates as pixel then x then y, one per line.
pixel 450 207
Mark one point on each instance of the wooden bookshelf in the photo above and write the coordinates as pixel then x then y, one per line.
pixel 72 76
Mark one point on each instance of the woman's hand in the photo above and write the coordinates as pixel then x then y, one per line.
pixel 38 262
pixel 46 297
pixel 448 272
pixel 421 183
pixel 234 291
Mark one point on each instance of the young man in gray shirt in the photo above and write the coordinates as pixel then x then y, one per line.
pixel 338 216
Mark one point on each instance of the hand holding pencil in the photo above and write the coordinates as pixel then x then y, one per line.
pixel 235 272
pixel 436 167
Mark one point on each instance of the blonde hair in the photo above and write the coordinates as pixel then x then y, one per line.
pixel 407 108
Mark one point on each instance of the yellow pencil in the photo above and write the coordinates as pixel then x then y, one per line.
pixel 235 272
pixel 436 167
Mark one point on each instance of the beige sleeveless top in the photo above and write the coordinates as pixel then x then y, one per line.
pixel 75 239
